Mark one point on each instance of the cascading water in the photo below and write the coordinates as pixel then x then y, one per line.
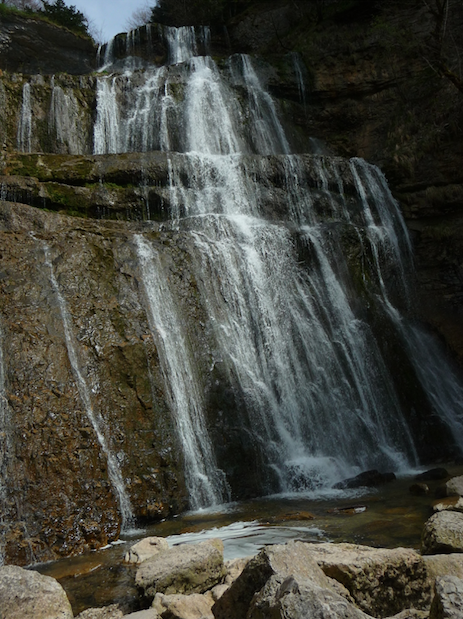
pixel 63 121
pixel 206 483
pixel 24 136
pixel 321 402
pixel 94 417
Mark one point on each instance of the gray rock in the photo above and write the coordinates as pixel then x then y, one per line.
pixel 455 486
pixel 300 599
pixel 292 559
pixel 443 533
pixel 193 606
pixel 145 549
pixel 27 594
pixel 381 581
pixel 448 598
pixel 183 569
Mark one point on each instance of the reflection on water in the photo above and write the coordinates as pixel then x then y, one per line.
pixel 392 518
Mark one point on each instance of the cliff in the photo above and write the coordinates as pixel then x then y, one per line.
pixel 95 366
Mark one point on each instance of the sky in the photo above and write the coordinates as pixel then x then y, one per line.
pixel 108 16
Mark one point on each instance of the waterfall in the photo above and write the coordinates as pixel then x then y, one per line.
pixel 63 120
pixel 94 417
pixel 206 483
pixel 274 276
pixel 24 135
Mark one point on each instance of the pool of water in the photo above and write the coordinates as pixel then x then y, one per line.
pixel 386 517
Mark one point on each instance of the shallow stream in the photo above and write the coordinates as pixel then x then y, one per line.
pixel 386 517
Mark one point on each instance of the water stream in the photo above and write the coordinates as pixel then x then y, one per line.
pixel 94 416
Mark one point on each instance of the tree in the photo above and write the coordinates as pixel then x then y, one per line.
pixel 139 17
pixel 444 48
pixel 64 15
pixel 189 12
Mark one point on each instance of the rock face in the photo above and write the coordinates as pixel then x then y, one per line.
pixel 382 582
pixel 448 598
pixel 183 569
pixel 443 532
pixel 35 46
pixel 85 369
pixel 29 595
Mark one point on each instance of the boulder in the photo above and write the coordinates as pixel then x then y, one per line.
pixel 444 565
pixel 455 486
pixel 450 503
pixel 194 606
pixel 25 594
pixel 234 568
pixel 293 559
pixel 448 598
pixel 107 612
pixel 367 478
pixel 381 581
pixel 443 533
pixel 186 568
pixel 433 475
pixel 419 489
pixel 296 598
pixel 145 549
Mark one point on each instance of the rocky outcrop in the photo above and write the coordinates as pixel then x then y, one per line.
pixel 32 45
pixel 28 595
pixel 182 569
pixel 442 533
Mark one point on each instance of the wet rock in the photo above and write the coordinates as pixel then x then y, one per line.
pixel 433 475
pixel 348 510
pixel 443 533
pixel 293 559
pixel 448 598
pixel 296 598
pixel 185 568
pixel 145 549
pixel 381 581
pixel 108 612
pixel 193 606
pixel 368 478
pixel 29 595
pixel 419 489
